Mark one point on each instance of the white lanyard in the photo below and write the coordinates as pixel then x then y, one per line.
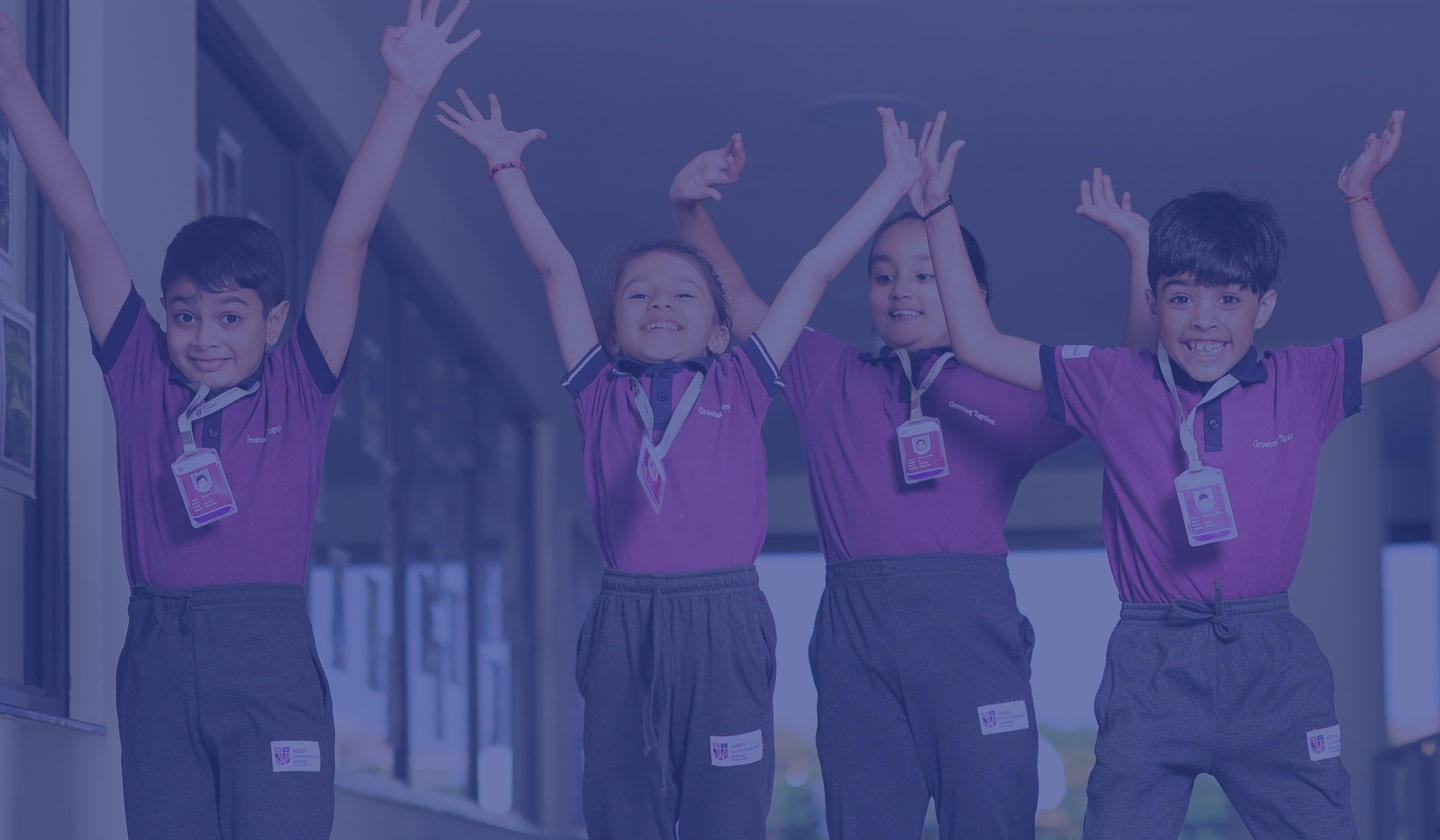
pixel 199 409
pixel 918 391
pixel 1187 424
pixel 677 419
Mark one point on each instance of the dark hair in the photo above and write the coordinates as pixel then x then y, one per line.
pixel 1219 238
pixel 615 270
pixel 226 252
pixel 972 248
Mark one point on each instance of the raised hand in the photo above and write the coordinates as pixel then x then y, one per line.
pixel 697 180
pixel 932 185
pixel 12 58
pixel 496 142
pixel 901 161
pixel 417 53
pixel 1356 178
pixel 1097 203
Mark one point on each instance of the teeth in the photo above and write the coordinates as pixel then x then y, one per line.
pixel 662 325
pixel 904 313
pixel 1206 348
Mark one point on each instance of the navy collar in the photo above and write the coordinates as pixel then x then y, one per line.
pixel 1248 371
pixel 179 379
pixel 626 366
pixel 918 359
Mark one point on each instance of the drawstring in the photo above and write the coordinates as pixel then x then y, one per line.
pixel 1213 611
pixel 157 612
pixel 656 734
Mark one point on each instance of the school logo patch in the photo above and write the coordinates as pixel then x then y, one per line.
pixel 736 750
pixel 295 756
pixel 1003 717
pixel 1076 351
pixel 1323 743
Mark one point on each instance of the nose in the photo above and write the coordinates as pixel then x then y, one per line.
pixel 901 288
pixel 1202 317
pixel 659 302
pixel 206 332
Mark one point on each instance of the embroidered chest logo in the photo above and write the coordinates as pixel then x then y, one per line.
pixel 1271 444
pixel 710 412
pixel 978 415
pixel 269 433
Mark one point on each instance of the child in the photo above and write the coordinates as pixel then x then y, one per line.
pixel 1392 284
pixel 1208 671
pixel 226 727
pixel 920 656
pixel 676 659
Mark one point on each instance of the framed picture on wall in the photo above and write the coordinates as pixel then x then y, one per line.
pixel 229 175
pixel 204 187
pixel 17 392
pixel 7 204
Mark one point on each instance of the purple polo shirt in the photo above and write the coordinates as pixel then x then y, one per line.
pixel 1263 435
pixel 271 445
pixel 849 406
pixel 713 514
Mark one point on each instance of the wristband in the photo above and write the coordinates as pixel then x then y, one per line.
pixel 509 164
pixel 1349 197
pixel 946 203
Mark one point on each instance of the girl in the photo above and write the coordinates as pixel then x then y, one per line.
pixel 920 656
pixel 676 659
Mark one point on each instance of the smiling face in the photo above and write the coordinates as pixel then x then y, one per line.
pixel 664 310
pixel 219 338
pixel 1207 329
pixel 904 301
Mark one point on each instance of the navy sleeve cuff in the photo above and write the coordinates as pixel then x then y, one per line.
pixel 1354 355
pixel 109 353
pixel 1054 402
pixel 320 371
pixel 586 371
pixel 765 366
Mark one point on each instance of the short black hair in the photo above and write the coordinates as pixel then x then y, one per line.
pixel 1219 239
pixel 972 248
pixel 615 270
pixel 223 252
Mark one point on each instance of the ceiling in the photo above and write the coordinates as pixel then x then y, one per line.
pixel 1267 98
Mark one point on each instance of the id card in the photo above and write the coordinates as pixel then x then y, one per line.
pixel 922 450
pixel 204 487
pixel 651 471
pixel 1205 506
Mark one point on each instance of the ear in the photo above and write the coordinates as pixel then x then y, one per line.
pixel 719 340
pixel 275 322
pixel 1266 309
pixel 1152 302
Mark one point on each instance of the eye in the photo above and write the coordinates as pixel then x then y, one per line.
pixel 925 278
pixel 638 296
pixel 883 279
pixel 687 295
pixel 183 318
pixel 230 319
pixel 1229 300
pixel 1180 299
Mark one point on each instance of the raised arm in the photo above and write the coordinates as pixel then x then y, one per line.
pixel 574 327
pixel 695 183
pixel 1394 289
pixel 100 274
pixel 415 55
pixel 797 299
pixel 1098 204
pixel 972 333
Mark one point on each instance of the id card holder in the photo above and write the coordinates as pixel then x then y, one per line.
pixel 204 487
pixel 1205 506
pixel 651 472
pixel 922 450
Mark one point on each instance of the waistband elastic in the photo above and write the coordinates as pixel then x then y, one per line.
pixel 146 597
pixel 679 583
pixel 1185 610
pixel 917 564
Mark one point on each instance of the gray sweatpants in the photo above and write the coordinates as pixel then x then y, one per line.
pixel 922 666
pixel 678 676
pixel 1237 689
pixel 226 727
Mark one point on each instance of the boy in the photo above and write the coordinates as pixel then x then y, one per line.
pixel 1207 671
pixel 226 727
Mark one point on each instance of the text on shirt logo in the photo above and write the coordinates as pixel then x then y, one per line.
pixel 269 433
pixel 972 412
pixel 716 414
pixel 1271 444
